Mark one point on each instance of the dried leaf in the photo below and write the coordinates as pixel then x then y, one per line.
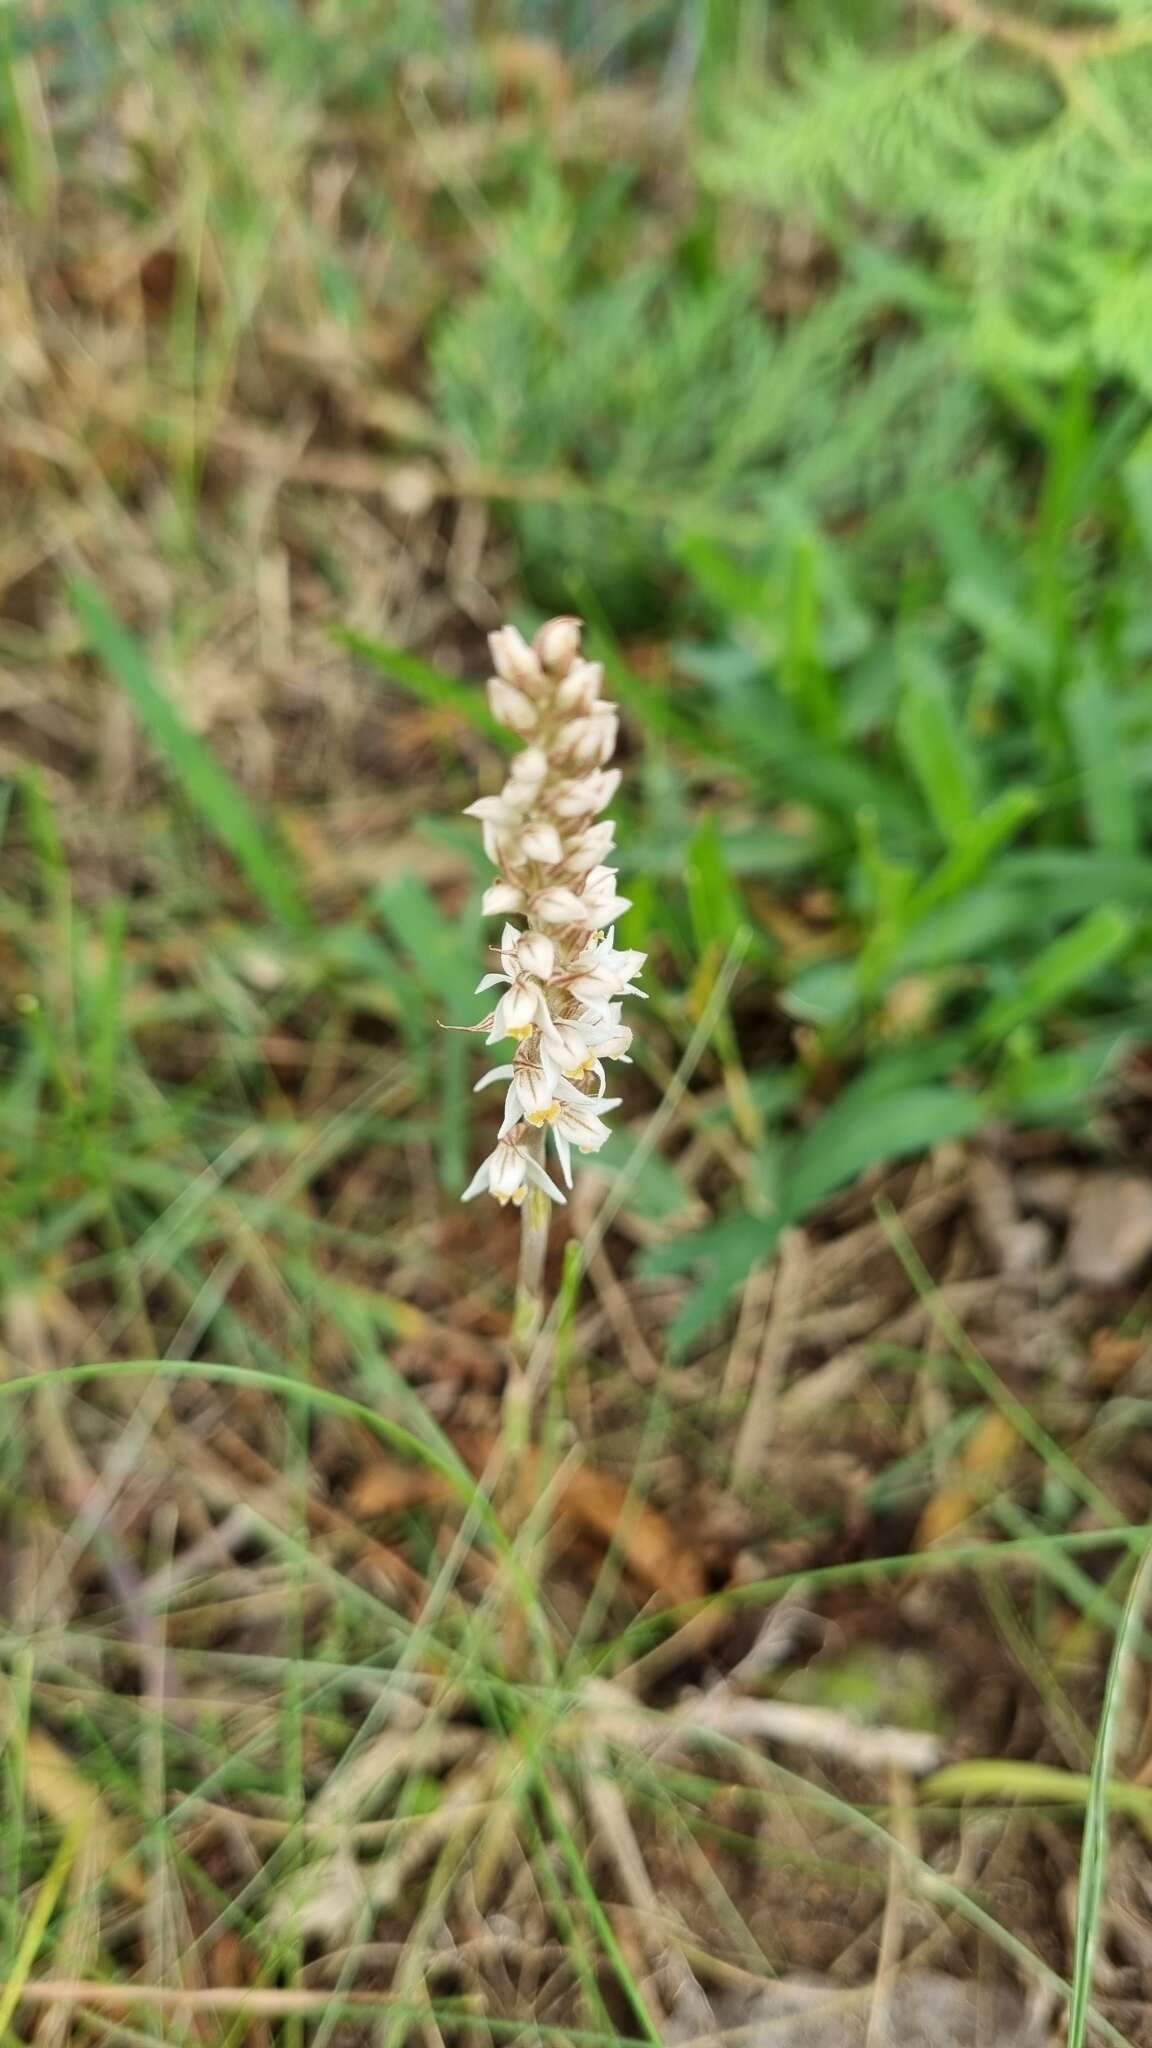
pixel 597 1502
pixel 389 1488
pixel 1113 1355
pixel 648 1543
pixel 987 1454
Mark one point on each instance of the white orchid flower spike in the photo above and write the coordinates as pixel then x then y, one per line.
pixel 561 975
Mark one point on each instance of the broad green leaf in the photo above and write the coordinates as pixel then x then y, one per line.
pixel 1006 815
pixel 856 1134
pixel 937 750
pixel 1057 1087
pixel 713 902
pixel 440 962
pixel 1104 764
pixel 207 787
pixel 719 1259
pixel 655 1191
pixel 1059 971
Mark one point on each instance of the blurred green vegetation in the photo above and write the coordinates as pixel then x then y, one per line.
pixel 804 355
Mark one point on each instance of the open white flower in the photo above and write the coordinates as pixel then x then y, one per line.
pixel 533 1075
pixel 509 1172
pixel 562 976
pixel 579 1122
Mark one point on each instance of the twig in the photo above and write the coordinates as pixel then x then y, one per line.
pixel 779 1331
pixel 868 1748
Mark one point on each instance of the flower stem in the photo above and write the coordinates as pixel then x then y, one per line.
pixel 528 1313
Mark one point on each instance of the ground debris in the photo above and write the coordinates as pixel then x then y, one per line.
pixel 1110 1228
pixel 924 2009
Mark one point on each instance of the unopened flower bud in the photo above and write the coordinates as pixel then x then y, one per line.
pixel 581 686
pixel 588 742
pixel 514 659
pixel 540 841
pixel 557 644
pixel 526 773
pixel 511 707
pixel 589 849
pixel 535 954
pixel 583 797
pixel 556 906
pixel 502 899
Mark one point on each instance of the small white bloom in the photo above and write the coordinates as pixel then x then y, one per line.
pixel 601 974
pixel 510 707
pixel 610 1040
pixel 590 981
pixel 557 643
pixel 540 841
pixel 514 660
pixel 508 1172
pixel 581 687
pixel 579 1123
pixel 577 1045
pixel 519 1011
pixel 534 1078
pixel 567 1041
pixel 521 954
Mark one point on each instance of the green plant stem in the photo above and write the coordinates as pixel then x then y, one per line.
pixel 528 1313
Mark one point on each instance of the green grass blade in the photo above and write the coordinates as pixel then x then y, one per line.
pixel 1094 1851
pixel 209 790
pixel 420 679
pixel 1057 972
pixel 1104 764
pixel 938 753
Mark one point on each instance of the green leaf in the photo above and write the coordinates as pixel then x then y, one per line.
pixel 937 751
pixel 713 901
pixel 420 679
pixel 859 1133
pixel 442 966
pixel 1078 880
pixel 208 788
pixel 1057 1087
pixel 1062 968
pixel 1094 1849
pixel 720 1259
pixel 999 821
pixel 1039 1784
pixel 655 1190
pixel 1104 764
